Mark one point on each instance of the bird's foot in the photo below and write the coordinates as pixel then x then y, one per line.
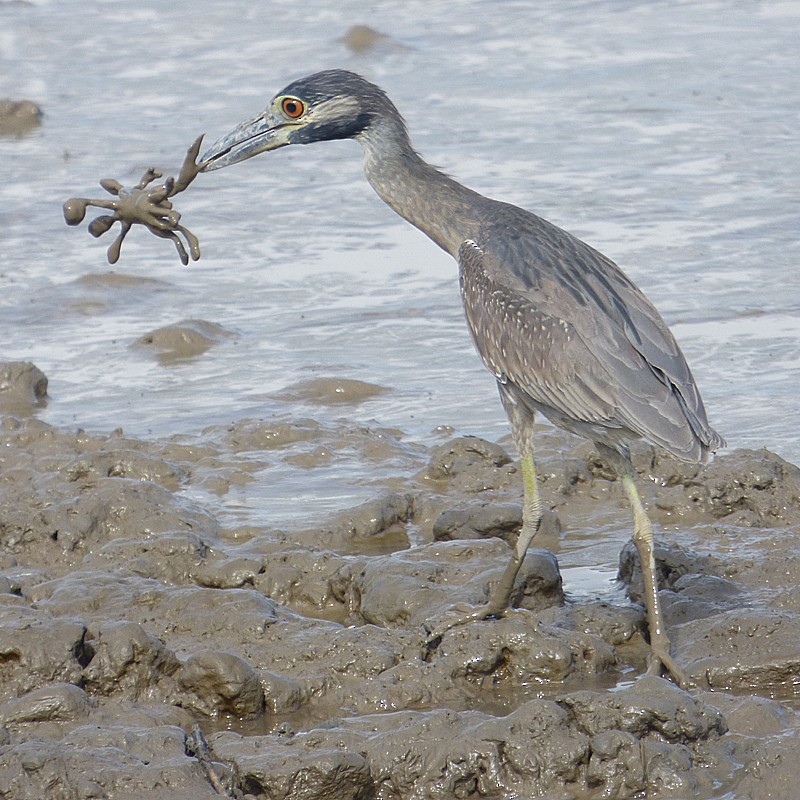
pixel 461 614
pixel 662 663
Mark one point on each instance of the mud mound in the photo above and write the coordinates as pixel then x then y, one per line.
pixel 131 611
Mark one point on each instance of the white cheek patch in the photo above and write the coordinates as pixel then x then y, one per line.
pixel 333 108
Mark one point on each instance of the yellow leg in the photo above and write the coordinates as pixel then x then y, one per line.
pixel 643 539
pixel 531 520
pixel 501 599
pixel 522 429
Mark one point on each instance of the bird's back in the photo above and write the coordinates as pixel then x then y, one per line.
pixel 576 337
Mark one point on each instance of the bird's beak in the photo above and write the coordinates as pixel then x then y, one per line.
pixel 247 140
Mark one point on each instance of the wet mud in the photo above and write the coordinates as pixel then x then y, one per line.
pixel 132 611
pixel 183 340
pixel 362 39
pixel 144 204
pixel 19 117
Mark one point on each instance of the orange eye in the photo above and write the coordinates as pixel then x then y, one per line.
pixel 293 107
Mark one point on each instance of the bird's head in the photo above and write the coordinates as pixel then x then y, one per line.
pixel 334 104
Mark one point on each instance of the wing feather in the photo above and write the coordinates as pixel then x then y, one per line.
pixel 567 327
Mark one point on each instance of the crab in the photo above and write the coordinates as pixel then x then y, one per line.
pixel 144 204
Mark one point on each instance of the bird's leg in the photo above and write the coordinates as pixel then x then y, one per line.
pixel 532 510
pixel 522 430
pixel 531 520
pixel 660 657
pixel 501 598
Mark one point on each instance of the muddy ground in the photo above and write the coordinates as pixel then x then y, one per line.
pixel 132 613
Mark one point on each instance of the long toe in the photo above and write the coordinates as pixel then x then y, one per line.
pixel 461 614
pixel 664 664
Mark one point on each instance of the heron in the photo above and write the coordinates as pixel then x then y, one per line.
pixel 561 327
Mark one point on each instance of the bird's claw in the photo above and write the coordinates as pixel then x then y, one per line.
pixel 460 614
pixel 145 206
pixel 661 663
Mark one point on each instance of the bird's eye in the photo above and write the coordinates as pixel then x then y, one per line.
pixel 293 107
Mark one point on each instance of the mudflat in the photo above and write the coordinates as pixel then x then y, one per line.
pixel 132 613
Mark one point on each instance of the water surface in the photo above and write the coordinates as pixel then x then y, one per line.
pixel 664 135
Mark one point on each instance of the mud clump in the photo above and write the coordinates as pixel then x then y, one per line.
pixel 361 39
pixel 23 386
pixel 183 341
pixel 19 117
pixel 134 606
pixel 752 488
pixel 539 749
pixel 143 204
pixel 331 391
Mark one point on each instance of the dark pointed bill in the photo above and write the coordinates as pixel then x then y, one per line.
pixel 247 140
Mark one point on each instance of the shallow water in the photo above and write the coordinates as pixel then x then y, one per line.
pixel 666 140
pixel 664 134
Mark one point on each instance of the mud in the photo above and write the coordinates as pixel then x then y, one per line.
pixel 361 39
pixel 23 386
pixel 183 341
pixel 131 612
pixel 330 391
pixel 19 117
pixel 144 204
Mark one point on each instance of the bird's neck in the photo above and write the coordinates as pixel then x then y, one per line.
pixel 440 207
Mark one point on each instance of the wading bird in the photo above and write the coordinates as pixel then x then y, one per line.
pixel 564 331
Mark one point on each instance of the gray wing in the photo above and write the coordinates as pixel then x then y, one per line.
pixel 576 336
